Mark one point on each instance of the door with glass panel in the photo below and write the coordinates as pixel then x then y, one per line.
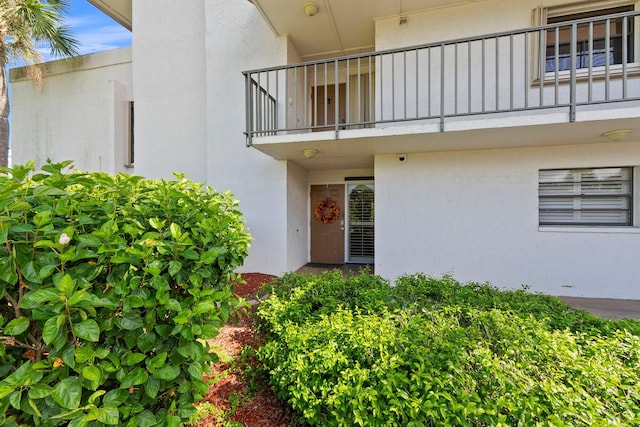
pixel 361 240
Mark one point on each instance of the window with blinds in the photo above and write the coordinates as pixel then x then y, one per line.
pixel 597 197
pixel 361 223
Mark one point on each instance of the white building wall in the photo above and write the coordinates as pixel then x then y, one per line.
pixel 298 216
pixel 473 214
pixel 78 112
pixel 170 80
pixel 237 39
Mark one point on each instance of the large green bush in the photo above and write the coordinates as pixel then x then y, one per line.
pixel 437 356
pixel 109 287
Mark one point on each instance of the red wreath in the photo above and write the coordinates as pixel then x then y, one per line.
pixel 326 211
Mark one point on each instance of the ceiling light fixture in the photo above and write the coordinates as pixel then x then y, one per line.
pixel 310 8
pixel 617 135
pixel 309 153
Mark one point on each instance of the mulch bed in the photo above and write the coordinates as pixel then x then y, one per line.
pixel 254 406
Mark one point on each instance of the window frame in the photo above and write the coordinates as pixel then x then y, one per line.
pixel 542 14
pixel 631 196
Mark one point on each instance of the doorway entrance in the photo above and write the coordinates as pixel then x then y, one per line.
pixel 349 235
pixel 327 228
pixel 324 106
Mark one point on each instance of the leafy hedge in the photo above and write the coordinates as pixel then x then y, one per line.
pixel 109 286
pixel 427 353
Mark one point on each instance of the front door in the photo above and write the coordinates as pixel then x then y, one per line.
pixel 327 224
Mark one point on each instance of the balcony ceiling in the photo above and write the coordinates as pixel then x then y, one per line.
pixel 340 27
pixel 118 10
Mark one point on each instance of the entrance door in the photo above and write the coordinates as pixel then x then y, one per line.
pixel 327 232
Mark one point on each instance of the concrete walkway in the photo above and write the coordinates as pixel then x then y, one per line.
pixel 606 307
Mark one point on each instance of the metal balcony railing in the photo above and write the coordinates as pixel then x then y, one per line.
pixel 563 66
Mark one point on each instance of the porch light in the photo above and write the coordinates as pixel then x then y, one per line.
pixel 309 153
pixel 310 8
pixel 617 135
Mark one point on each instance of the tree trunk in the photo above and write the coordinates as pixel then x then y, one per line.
pixel 4 113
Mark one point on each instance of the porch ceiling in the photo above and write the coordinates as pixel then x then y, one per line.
pixel 118 10
pixel 357 148
pixel 340 27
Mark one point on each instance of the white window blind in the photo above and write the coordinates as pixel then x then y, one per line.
pixel 585 196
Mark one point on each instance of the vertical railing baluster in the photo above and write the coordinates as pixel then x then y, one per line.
pixel 455 79
pixel 314 121
pixel 541 66
pixel 336 106
pixel 295 96
pixel 393 86
pixel 305 101
pixel 572 91
pixel 326 94
pixel 404 70
pixel 607 49
pixel 248 108
pixel 276 115
pixel 556 62
pixel 358 110
pixel 417 84
pixel 526 70
pixel 429 82
pixel 268 111
pixel 511 71
pixel 625 29
pixel 484 101
pixel 497 74
pixel 590 72
pixel 348 96
pixel 442 58
pixel 371 96
pixel 469 85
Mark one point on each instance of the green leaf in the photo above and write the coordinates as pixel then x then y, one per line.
pixel 67 393
pixel 8 271
pixel 146 419
pixel 158 361
pixel 46 190
pixel 35 299
pixel 176 231
pixel 87 330
pixel 137 376
pixel 151 387
pixel 115 397
pixel 146 342
pixel 29 273
pixel 167 372
pixel 18 206
pixel 174 267
pixel 34 407
pixel 65 285
pixel 92 373
pixel 90 240
pixel 109 416
pixel 17 326
pixel 39 391
pixel 42 218
pixel 209 257
pixel 50 330
pixel 156 223
pixel 134 359
pixel 130 322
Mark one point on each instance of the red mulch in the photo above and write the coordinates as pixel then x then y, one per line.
pixel 255 406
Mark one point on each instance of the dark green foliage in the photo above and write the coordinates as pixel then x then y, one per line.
pixel 110 286
pixel 433 352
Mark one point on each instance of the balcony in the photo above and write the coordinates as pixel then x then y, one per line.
pixel 478 92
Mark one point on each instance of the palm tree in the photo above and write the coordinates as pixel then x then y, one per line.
pixel 24 26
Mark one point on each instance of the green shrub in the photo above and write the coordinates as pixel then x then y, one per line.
pixel 438 363
pixel 110 286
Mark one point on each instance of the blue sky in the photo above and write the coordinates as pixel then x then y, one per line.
pixel 94 30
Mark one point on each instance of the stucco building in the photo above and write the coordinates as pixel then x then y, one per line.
pixel 495 140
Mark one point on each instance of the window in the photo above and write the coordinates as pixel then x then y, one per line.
pixel 599 41
pixel 599 197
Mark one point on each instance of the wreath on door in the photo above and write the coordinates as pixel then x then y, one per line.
pixel 326 211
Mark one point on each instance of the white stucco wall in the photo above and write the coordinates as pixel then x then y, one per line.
pixel 79 111
pixel 474 214
pixel 237 39
pixel 298 216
